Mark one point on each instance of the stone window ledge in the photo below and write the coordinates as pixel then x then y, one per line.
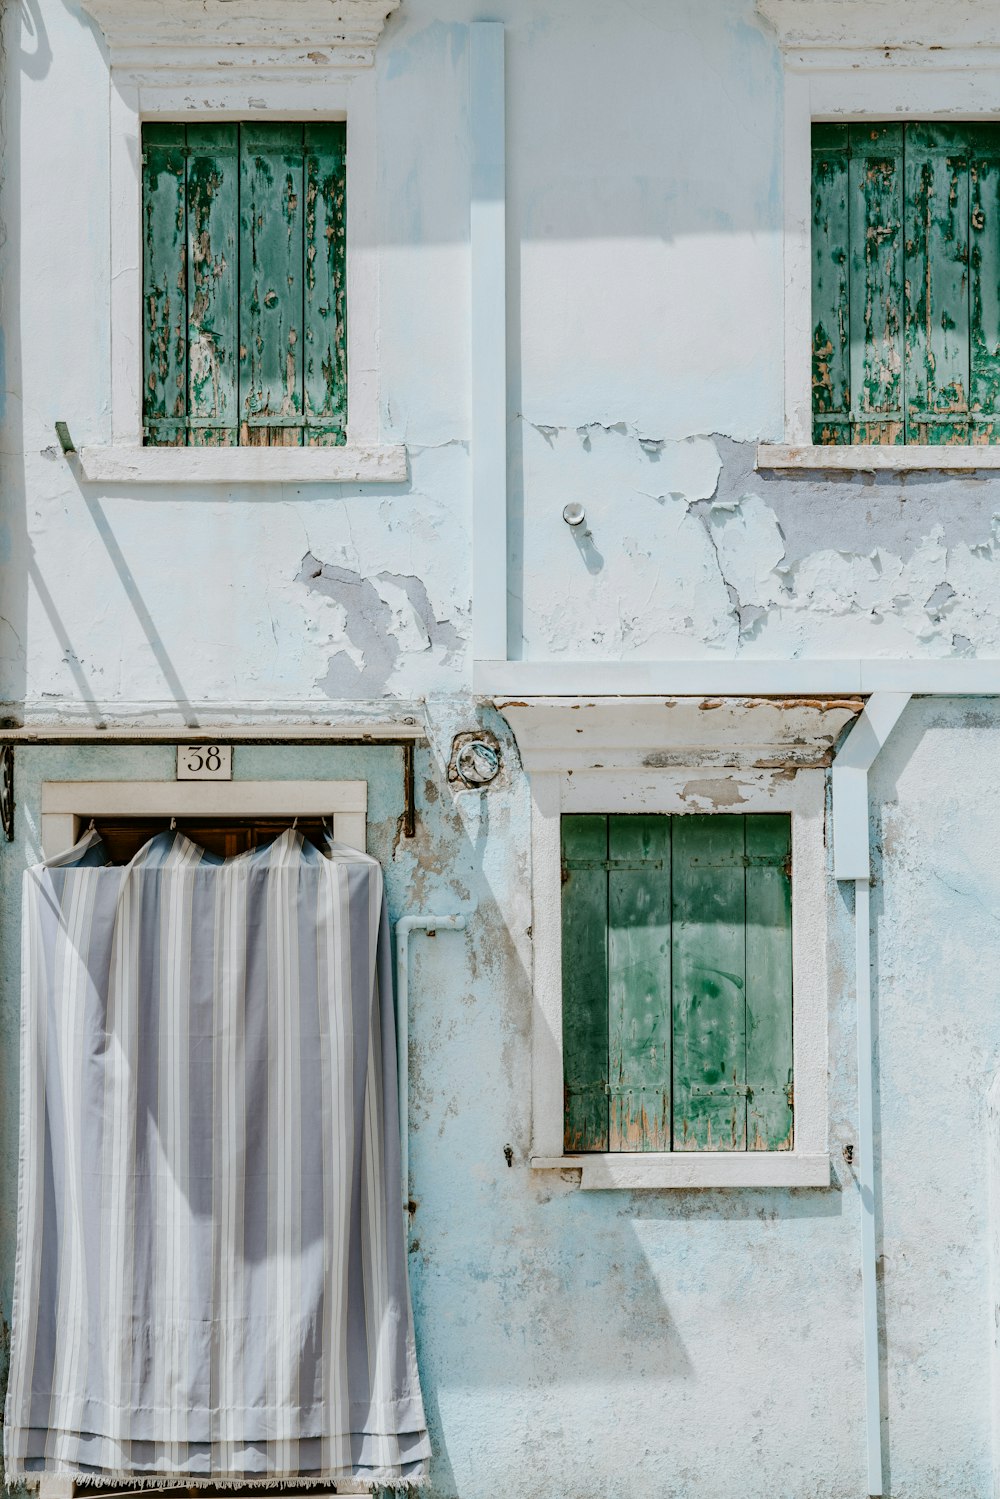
pixel 912 458
pixel 681 1169
pixel 353 464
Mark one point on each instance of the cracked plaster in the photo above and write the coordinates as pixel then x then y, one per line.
pixel 691 552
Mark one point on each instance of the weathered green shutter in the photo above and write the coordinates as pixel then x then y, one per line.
pixel 585 981
pixel 937 283
pixel 164 284
pixel 984 282
pixel 831 353
pixel 272 263
pixel 325 286
pixel 639 982
pixel 677 982
pixel 906 283
pixel 709 989
pixel 244 280
pixel 876 275
pixel 213 292
pixel 769 981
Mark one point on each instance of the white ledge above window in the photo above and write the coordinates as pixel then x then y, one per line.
pixel 862 458
pixel 862 25
pixel 684 1169
pixel 180 36
pixel 353 464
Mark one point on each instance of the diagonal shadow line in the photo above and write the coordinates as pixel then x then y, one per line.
pixel 142 614
pixel 69 654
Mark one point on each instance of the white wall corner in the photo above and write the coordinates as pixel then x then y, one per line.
pixel 182 36
pixel 922 26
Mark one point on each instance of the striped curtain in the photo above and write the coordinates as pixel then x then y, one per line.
pixel 210 1282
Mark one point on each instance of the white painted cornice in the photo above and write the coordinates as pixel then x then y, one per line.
pixel 194 35
pixel 616 734
pixel 923 26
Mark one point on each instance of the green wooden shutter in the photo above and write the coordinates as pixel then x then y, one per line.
pixel 585 981
pixel 769 981
pixel 164 284
pixel 984 282
pixel 876 277
pixel 213 297
pixel 709 988
pixel 272 263
pixel 831 354
pixel 639 1023
pixel 906 283
pixel 936 178
pixel 325 318
pixel 677 982
pixel 244 284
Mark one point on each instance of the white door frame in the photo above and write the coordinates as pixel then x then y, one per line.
pixel 67 806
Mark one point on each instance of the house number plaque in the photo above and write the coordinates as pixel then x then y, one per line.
pixel 204 762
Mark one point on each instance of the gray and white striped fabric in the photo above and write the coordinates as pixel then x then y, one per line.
pixel 210 1283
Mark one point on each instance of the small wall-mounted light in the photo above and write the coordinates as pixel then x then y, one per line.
pixel 65 441
pixel 574 514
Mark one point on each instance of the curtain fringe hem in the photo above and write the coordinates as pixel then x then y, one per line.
pixel 379 1478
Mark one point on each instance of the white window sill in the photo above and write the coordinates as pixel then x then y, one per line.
pixel 873 459
pixel 353 464
pixel 752 1168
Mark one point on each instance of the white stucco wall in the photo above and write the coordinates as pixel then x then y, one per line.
pixel 669 1344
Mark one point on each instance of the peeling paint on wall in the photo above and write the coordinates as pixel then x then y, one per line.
pixel 382 617
pixel 701 555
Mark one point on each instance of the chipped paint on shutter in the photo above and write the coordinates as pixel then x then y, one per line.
pixel 164 284
pixel 831 373
pixel 934 377
pixel 984 277
pixel 936 175
pixel 639 1022
pixel 585 981
pixel 677 982
pixel 876 273
pixel 709 983
pixel 272 216
pixel 769 980
pixel 213 335
pixel 325 318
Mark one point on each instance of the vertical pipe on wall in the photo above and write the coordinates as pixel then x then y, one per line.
pixel 852 861
pixel 488 321
pixel 866 1183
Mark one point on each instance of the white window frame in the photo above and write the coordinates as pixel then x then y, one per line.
pixel 950 76
pixel 555 794
pixel 143 93
pixel 67 806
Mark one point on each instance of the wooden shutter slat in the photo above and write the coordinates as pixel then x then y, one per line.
pixel 709 983
pixel 831 238
pixel 936 185
pixel 164 285
pixel 325 320
pixel 213 293
pixel 271 284
pixel 876 273
pixel 639 1021
pixel 769 981
pixel 984 279
pixel 585 981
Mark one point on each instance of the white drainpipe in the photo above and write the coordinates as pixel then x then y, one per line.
pixel 852 861
pixel 404 927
